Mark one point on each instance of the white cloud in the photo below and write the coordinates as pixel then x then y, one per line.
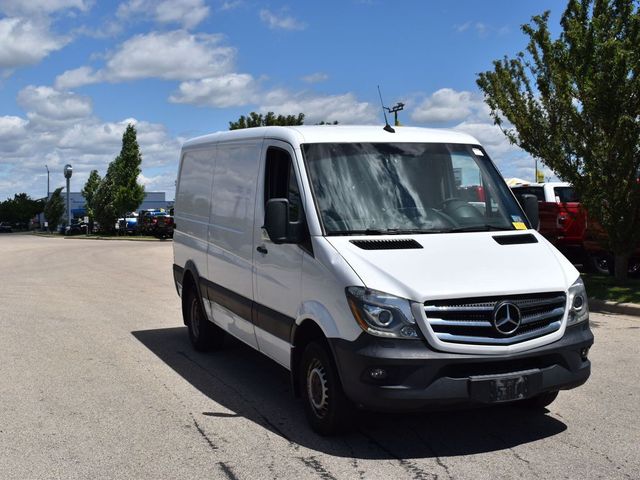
pixel 187 13
pixel 317 77
pixel 26 146
pixel 233 89
pixel 345 108
pixel 75 78
pixel 49 103
pixel 175 55
pixel 281 21
pixel 230 5
pixel 39 7
pixel 26 42
pixel 446 105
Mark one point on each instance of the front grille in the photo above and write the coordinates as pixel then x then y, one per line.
pixel 470 320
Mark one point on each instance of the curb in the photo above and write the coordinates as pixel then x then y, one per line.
pixel 120 239
pixel 606 306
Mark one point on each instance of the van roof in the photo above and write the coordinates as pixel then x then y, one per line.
pixel 337 134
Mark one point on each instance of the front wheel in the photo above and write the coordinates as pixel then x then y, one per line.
pixel 203 334
pixel 325 404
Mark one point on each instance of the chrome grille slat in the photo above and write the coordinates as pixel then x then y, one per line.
pixel 459 308
pixel 470 321
pixel 542 316
pixel 445 337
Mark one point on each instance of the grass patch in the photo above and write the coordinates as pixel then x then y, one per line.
pixel 606 288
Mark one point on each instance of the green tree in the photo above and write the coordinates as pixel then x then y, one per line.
pixel 128 193
pixel 54 208
pixel 574 102
pixel 269 119
pixel 103 209
pixel 89 194
pixel 20 209
pixel 119 191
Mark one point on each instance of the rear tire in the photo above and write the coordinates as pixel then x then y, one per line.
pixel 203 334
pixel 539 402
pixel 325 404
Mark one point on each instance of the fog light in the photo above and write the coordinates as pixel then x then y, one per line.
pixel 584 353
pixel 378 373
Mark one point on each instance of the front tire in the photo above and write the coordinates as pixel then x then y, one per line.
pixel 325 404
pixel 203 334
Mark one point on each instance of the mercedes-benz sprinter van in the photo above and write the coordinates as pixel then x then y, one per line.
pixel 384 270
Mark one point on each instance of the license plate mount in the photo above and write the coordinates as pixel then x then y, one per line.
pixel 508 387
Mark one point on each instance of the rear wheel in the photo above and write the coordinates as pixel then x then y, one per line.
pixel 325 404
pixel 539 401
pixel 203 334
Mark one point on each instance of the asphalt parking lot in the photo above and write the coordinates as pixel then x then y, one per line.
pixel 98 380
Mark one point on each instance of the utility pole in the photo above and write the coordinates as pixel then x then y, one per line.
pixel 68 171
pixel 47 181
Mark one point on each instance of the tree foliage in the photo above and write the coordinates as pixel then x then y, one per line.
pixel 574 102
pixel 270 119
pixel 89 192
pixel 54 208
pixel 20 209
pixel 119 191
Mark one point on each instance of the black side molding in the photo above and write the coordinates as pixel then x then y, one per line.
pixel 515 239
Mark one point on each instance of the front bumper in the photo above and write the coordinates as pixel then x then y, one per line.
pixel 418 377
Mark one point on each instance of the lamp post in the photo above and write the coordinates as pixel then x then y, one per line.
pixel 68 171
pixel 47 181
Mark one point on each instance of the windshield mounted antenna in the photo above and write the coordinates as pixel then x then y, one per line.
pixel 387 127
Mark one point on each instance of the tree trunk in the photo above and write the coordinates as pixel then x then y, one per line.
pixel 621 267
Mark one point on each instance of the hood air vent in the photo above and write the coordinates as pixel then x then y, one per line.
pixel 390 244
pixel 515 239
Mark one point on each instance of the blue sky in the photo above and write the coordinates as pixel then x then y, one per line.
pixel 73 73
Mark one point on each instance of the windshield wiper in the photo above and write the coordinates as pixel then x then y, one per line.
pixel 478 228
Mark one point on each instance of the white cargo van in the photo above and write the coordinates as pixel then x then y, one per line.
pixel 386 271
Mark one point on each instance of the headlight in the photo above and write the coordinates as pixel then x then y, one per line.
pixel 382 314
pixel 578 304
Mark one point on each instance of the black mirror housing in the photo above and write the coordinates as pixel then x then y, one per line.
pixel 529 204
pixel 277 224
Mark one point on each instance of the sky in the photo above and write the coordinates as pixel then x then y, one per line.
pixel 74 73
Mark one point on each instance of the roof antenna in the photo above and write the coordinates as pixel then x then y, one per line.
pixel 387 127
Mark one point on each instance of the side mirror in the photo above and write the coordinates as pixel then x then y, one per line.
pixel 277 224
pixel 529 204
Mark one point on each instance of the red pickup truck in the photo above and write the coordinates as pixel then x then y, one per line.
pixel 562 220
pixel 564 223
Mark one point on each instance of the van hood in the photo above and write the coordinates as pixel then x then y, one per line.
pixel 457 265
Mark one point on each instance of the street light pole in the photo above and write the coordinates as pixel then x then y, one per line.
pixel 68 171
pixel 47 181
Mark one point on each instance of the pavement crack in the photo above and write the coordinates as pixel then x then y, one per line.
pixel 435 455
pixel 313 464
pixel 204 434
pixel 226 469
pixel 410 467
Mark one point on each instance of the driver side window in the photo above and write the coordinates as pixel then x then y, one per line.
pixel 280 181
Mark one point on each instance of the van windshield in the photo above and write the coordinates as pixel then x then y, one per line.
pixel 387 188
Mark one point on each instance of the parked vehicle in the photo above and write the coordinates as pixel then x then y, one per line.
pixel 564 222
pixel 562 218
pixel 131 225
pixel 368 264
pixel 5 227
pixel 78 228
pixel 158 223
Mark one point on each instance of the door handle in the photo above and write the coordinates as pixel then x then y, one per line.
pixel 263 250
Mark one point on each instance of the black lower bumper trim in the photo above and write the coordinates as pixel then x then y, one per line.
pixel 400 375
